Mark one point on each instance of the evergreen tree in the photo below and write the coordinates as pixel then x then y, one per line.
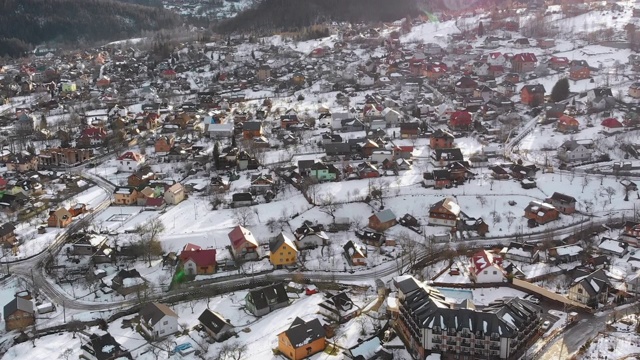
pixel 216 155
pixel 43 122
pixel 560 90
pixel 480 29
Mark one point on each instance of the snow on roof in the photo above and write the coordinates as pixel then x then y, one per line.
pixel 612 245
pixel 568 250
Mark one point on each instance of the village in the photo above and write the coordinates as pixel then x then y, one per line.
pixel 441 187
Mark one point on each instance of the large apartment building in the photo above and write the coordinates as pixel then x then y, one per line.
pixel 429 324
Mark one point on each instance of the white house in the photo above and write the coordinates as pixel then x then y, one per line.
pixel 380 156
pixel 576 150
pixel 130 161
pixel 158 320
pixel 391 116
pixel 312 240
pixel 486 268
pixel 365 80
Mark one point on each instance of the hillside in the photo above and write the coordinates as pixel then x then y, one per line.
pixel 27 23
pixel 295 14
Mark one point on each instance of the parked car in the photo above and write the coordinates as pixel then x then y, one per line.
pixel 532 299
pixel 545 325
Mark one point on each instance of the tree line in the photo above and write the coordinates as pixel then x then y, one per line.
pixel 292 15
pixel 25 24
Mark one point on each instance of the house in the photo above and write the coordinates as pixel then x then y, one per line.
pixel 506 89
pixel 264 72
pixel 575 151
pixel 409 130
pixel 8 235
pixel 264 300
pixel 590 289
pixel 532 95
pixel 251 130
pixel 522 252
pixel 356 255
pixel 578 71
pixel 444 213
pixel 499 173
pixel 283 252
pixel 565 253
pixel 441 139
pixel 322 172
pixel 87 244
pixel 103 347
pixel 339 308
pixel 524 62
pixel 158 320
pixel 486 267
pixel 130 161
pixel 215 325
pixel 460 120
pixel 174 194
pixel 56 157
pixel 18 314
pixel 303 339
pixel 540 212
pixel 465 86
pixel 310 237
pixel 261 183
pixel 92 136
pixel 558 63
pixel 243 245
pixel 125 195
pixel 564 203
pixel 21 163
pixel 241 199
pixel 337 149
pixel 141 177
pixel 427 323
pixel 611 125
pixel 613 247
pixel 126 282
pixel 444 157
pixel 634 90
pixel 351 125
pixel 521 172
pixel 59 218
pixel 164 143
pixel 198 261
pixel 382 220
pixel 567 124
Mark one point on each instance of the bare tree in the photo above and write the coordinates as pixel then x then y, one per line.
pixel 609 192
pixel 149 243
pixel 243 216
pixel 66 355
pixel 511 217
pixel 585 182
pixel 232 351
pixel 482 200
pixel 329 206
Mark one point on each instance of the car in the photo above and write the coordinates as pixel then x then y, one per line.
pixel 532 299
pixel 546 325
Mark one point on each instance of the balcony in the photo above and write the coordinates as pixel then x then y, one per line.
pixel 494 347
pixel 437 332
pixel 465 344
pixel 437 341
pixel 452 342
pixel 479 346
pixel 466 336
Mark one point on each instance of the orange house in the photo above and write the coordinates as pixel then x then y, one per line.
pixel 579 72
pixel 532 95
pixel 567 124
pixel 164 144
pixel 59 218
pixel 302 339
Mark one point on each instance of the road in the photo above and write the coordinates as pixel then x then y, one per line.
pixel 572 339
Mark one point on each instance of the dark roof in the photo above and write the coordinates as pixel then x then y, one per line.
pixel 408 285
pixel 439 133
pixel 244 196
pixel 277 242
pixel 450 154
pixel 264 296
pixel 301 333
pixel 252 125
pixel 127 274
pixel 566 199
pixel 105 347
pixel 7 228
pixel 305 164
pixel 154 312
pixel 17 303
pixel 213 321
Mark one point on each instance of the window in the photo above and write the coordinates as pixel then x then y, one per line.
pixel 495 272
pixel 485 272
pixel 165 322
pixel 161 331
pixel 580 291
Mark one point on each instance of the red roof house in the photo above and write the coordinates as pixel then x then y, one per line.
pixel 486 267
pixel 243 244
pixel 198 261
pixel 460 120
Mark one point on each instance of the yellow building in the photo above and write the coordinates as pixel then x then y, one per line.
pixel 283 251
pixel 302 339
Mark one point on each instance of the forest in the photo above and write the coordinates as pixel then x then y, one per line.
pixel 292 15
pixel 25 24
